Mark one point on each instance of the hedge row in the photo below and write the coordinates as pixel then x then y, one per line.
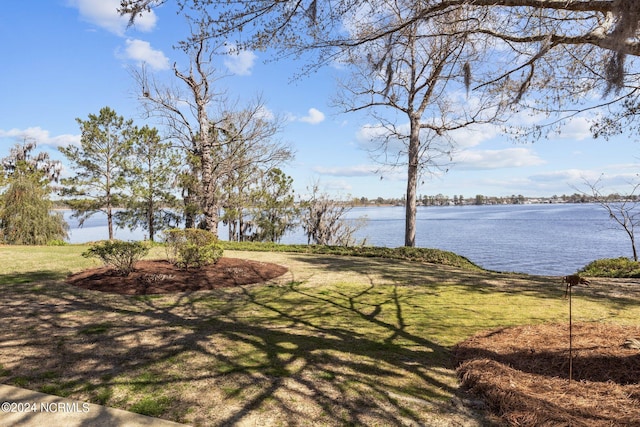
pixel 435 256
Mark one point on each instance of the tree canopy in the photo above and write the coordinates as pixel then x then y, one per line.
pixel 151 173
pixel 25 205
pixel 100 165
pixel 218 139
pixel 564 50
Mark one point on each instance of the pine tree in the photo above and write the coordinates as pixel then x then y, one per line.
pixel 151 173
pixel 99 164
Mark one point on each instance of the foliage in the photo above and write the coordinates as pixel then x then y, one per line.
pixel 192 247
pixel 99 163
pixel 258 203
pixel 612 267
pixel 25 207
pixel 215 146
pixel 118 254
pixel 238 186
pixel 324 222
pixel 275 211
pixel 20 160
pixel 427 255
pixel 150 174
pixel 25 213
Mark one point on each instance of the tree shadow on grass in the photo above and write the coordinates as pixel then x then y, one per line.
pixel 277 354
pixel 31 276
pixel 619 293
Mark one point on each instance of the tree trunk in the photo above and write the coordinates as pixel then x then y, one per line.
pixel 110 222
pixel 150 211
pixel 189 201
pixel 210 206
pixel 208 196
pixel 150 201
pixel 206 162
pixel 412 184
pixel 108 199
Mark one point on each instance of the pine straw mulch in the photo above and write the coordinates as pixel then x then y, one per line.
pixel 522 374
pixel 162 277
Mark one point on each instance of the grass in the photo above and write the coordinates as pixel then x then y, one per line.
pixel 612 267
pixel 98 328
pixel 152 406
pixel 338 340
pixel 429 255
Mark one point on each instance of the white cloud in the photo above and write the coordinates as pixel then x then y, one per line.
pixel 462 138
pixel 567 175
pixel 265 113
pixel 576 129
pixel 104 13
pixel 40 136
pixel 496 159
pixel 141 51
pixel 338 186
pixel 368 133
pixel 351 171
pixel 239 62
pixel 313 117
pixel 472 136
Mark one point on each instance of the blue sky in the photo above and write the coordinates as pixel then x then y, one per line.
pixel 66 59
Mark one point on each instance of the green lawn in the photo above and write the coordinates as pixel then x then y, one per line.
pixel 336 341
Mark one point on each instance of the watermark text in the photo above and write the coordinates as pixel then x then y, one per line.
pixel 50 407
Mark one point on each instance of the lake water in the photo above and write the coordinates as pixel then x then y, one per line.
pixel 549 239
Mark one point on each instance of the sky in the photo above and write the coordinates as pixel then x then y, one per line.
pixel 66 59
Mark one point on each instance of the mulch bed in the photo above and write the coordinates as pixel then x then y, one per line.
pixel 162 277
pixel 522 374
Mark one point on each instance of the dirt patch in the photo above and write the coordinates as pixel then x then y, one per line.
pixel 162 277
pixel 522 373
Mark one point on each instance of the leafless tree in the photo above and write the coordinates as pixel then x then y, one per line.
pixel 217 137
pixel 624 210
pixel 185 111
pixel 607 24
pixel 418 78
pixel 564 50
pixel 250 150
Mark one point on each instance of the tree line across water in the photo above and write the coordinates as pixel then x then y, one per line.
pixel 480 199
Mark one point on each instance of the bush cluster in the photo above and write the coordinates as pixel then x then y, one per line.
pixel 192 247
pixel 121 256
pixel 612 267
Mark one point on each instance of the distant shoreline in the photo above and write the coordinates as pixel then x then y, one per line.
pixel 390 205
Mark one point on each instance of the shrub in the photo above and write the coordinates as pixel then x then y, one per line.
pixel 56 242
pixel 612 267
pixel 121 256
pixel 192 247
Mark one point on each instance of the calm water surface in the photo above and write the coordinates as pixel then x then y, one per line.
pixel 553 239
